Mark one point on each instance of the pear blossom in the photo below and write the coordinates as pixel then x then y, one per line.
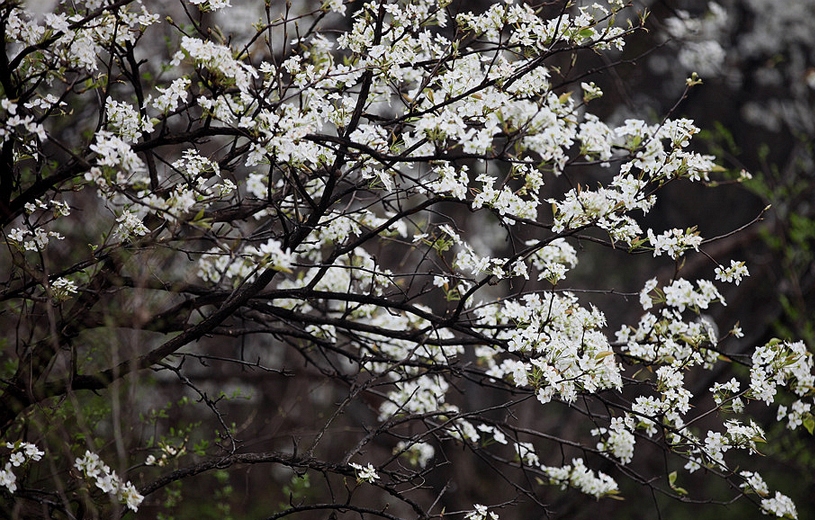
pixel 108 481
pixel 365 473
pixel 481 512
pixel 298 185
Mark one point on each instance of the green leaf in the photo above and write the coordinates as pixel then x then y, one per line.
pixel 809 423
pixel 586 33
pixel 672 482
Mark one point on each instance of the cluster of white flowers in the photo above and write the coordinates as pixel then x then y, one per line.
pixel 127 123
pixel 526 453
pixel 467 260
pixel 576 475
pixel 42 104
pixel 605 207
pixel 90 465
pixel 59 208
pixel 17 127
pixel 674 242
pixel 450 181
pixel 122 178
pixel 62 289
pixel 595 137
pixel 218 59
pixel 337 6
pixel 728 393
pixel 365 473
pixel 481 512
pixel 77 46
pixel 608 207
pixel 619 438
pixel 417 453
pixel 700 50
pixel 168 452
pixel 567 352
pixel 39 240
pixel 532 31
pixel 202 185
pixel 21 454
pixel 796 414
pixel 484 105
pixel 243 265
pixel 116 154
pixel 425 394
pixel 108 481
pixel 35 237
pixel 211 5
pixel 735 273
pixel 664 335
pixel 716 444
pixel 779 505
pixel 281 134
pixel 171 96
pixel 554 259
pixel 781 363
pixel 680 294
pixel 130 225
pixel 505 201
pixel 590 91
pixel 754 483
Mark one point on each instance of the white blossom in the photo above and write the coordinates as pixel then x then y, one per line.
pixel 8 479
pixel 578 476
pixel 780 506
pixel 481 512
pixel 734 273
pixel 365 473
pixel 418 453
pixel 62 289
pixel 108 481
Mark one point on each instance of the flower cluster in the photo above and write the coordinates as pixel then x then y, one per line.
pixel 170 97
pixel 126 122
pixel 117 163
pixel 332 159
pixel 781 363
pixel 211 5
pixel 664 335
pixel 577 475
pixel 701 50
pixel 38 241
pixel 21 454
pixel 168 452
pixel 674 242
pixel 108 481
pixel 619 438
pixel 778 505
pixel 91 466
pixel 481 512
pixel 567 352
pixel 417 453
pixel 735 273
pixel 219 60
pixel 217 265
pixel 365 473
pixel 554 259
pixel 62 289
pixel 14 126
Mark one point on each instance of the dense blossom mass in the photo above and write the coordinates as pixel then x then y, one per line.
pixel 400 194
